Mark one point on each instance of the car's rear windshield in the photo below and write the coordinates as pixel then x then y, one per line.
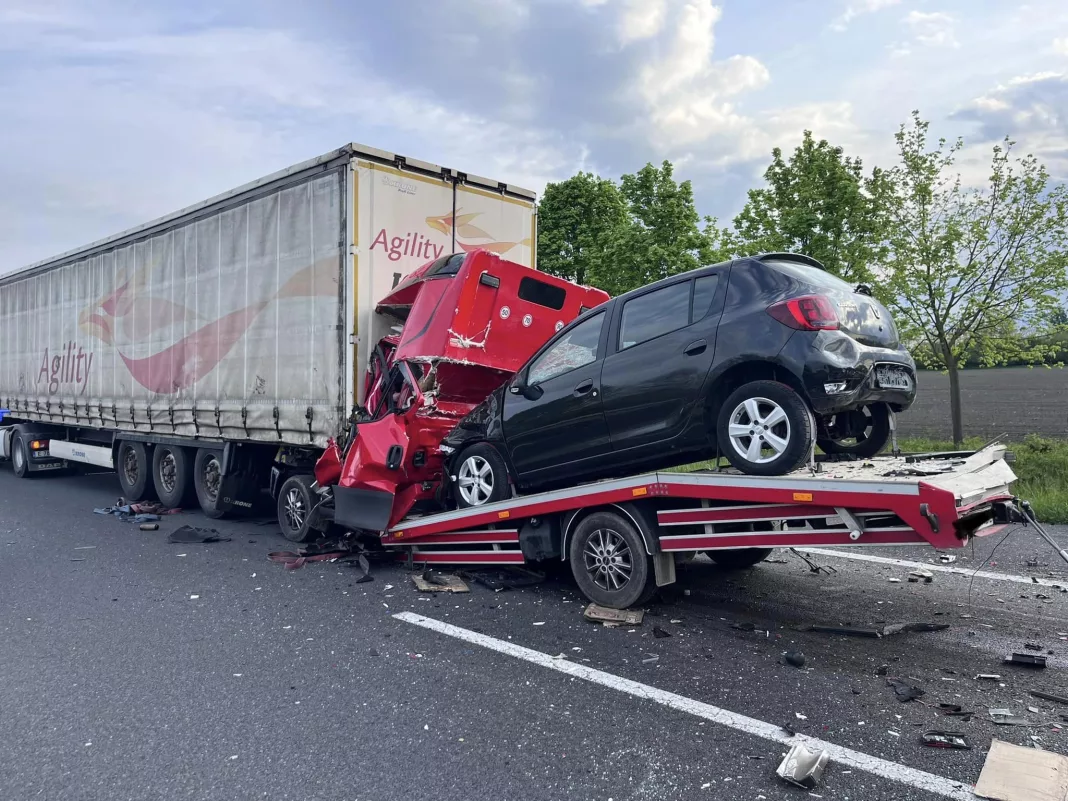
pixel 808 274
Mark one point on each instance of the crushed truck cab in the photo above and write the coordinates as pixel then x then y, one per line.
pixel 467 322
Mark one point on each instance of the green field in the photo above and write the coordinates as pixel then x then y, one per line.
pixel 1041 465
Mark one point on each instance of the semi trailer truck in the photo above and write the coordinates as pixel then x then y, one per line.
pixel 209 352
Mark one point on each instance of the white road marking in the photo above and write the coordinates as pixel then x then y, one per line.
pixel 842 756
pixel 959 571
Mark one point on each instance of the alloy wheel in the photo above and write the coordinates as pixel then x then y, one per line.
pixel 295 509
pixel 475 481
pixel 607 559
pixel 759 430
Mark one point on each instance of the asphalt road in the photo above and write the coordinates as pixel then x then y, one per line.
pixel 131 668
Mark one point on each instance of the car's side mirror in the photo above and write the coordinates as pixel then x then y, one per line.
pixel 521 387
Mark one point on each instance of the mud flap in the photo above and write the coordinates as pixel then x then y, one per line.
pixel 243 475
pixel 365 509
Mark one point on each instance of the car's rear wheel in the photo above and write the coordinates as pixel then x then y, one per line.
pixel 859 432
pixel 764 429
pixel 481 478
pixel 609 563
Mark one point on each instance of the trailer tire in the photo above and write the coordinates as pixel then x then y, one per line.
pixel 609 563
pixel 207 480
pixel 739 558
pixel 135 471
pixel 481 464
pixel 295 503
pixel 172 474
pixel 20 457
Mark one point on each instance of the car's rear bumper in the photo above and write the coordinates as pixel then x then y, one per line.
pixel 839 373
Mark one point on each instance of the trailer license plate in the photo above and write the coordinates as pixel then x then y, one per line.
pixel 893 378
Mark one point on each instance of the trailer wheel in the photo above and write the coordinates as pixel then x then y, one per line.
pixel 207 479
pixel 135 471
pixel 609 562
pixel 20 459
pixel 739 558
pixel 295 503
pixel 172 474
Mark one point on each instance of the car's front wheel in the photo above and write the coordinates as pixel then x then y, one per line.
pixel 764 429
pixel 859 432
pixel 481 477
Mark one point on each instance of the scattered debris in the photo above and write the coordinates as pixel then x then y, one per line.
pixel 650 659
pixel 660 634
pixel 898 628
pixel 744 626
pixel 146 512
pixel 1030 646
pixel 503 578
pixel 794 658
pixel 947 558
pixel 196 534
pixel 149 527
pixel 1057 699
pixel 882 670
pixel 905 691
pixel 845 631
pixel 1026 660
pixel 1006 717
pixel 926 575
pixel 988 677
pixel 812 566
pixel 431 581
pixel 802 767
pixel 1034 710
pixel 885 631
pixel 894 580
pixel 799 716
pixel 1014 773
pixel 946 739
pixel 602 614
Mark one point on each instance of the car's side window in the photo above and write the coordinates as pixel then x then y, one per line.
pixel 655 313
pixel 704 292
pixel 574 349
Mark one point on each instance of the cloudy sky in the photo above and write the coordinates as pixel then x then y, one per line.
pixel 113 112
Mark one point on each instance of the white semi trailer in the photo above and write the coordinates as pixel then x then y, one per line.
pixel 212 350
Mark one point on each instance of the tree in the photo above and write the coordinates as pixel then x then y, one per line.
pixel 968 265
pixel 663 235
pixel 820 204
pixel 579 220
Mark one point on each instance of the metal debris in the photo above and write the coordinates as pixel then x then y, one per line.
pixel 1006 717
pixel 946 739
pixel 602 614
pixel 1057 699
pixel 430 581
pixel 1026 660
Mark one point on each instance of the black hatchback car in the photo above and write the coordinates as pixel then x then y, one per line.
pixel 751 359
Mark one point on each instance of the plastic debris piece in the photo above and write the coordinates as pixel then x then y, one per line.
pixel 743 626
pixel 988 677
pixel 1057 699
pixel 1031 646
pixel 659 633
pixel 437 582
pixel 947 558
pixel 794 658
pixel 904 691
pixel 650 659
pixel 149 527
pixel 802 767
pixel 898 628
pixel 894 580
pixel 1006 717
pixel 926 575
pixel 196 534
pixel 1026 660
pixel 602 614
pixel 946 739
pixel 845 631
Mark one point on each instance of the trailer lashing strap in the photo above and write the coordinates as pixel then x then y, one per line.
pixel 295 560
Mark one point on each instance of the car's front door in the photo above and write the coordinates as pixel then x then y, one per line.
pixel 662 346
pixel 557 424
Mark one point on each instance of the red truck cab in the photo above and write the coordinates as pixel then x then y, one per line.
pixel 468 322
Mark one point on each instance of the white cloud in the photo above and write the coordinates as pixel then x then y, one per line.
pixel 934 29
pixel 857 8
pixel 1061 45
pixel 641 19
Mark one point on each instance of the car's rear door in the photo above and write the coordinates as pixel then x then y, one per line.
pixel 661 347
pixel 551 436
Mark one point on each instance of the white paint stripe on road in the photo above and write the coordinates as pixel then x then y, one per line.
pixel 959 571
pixel 841 755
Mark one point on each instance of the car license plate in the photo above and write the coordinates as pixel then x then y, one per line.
pixel 893 378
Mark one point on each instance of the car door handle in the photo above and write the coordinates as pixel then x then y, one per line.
pixel 584 387
pixel 695 347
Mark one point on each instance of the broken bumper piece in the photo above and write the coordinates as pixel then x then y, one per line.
pixel 803 767
pixel 365 509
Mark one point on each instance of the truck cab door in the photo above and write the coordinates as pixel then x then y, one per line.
pixel 375 464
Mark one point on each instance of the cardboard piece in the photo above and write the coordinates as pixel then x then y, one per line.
pixel 618 617
pixel 1013 773
pixel 447 583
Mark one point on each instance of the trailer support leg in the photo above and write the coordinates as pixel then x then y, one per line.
pixel 894 449
pixel 1030 515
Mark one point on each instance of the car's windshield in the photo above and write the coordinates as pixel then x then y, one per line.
pixel 809 274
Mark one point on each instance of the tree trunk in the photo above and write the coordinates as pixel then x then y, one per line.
pixel 954 402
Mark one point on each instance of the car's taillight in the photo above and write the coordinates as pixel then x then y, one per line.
pixel 806 313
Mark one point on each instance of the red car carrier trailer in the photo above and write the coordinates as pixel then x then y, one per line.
pixel 621 536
